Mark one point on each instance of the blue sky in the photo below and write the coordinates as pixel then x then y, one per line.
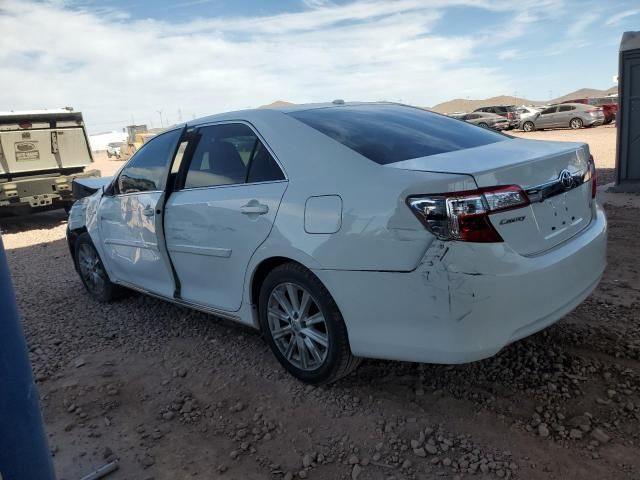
pixel 121 61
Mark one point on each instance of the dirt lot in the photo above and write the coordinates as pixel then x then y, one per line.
pixel 175 394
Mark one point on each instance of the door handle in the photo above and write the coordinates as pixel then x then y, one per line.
pixel 254 208
pixel 148 212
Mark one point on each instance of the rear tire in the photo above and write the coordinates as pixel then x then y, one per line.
pixel 528 126
pixel 303 326
pixel 483 125
pixel 576 123
pixel 92 272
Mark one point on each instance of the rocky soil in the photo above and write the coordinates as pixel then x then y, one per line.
pixel 175 394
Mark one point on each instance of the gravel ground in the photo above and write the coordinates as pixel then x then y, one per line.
pixel 176 394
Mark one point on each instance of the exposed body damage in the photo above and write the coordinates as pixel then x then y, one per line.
pixel 465 302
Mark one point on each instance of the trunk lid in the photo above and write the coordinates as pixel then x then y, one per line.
pixel 557 211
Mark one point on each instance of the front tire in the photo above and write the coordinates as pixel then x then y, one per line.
pixel 483 125
pixel 528 126
pixel 92 272
pixel 303 326
pixel 576 123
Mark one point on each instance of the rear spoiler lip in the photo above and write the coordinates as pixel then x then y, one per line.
pixel 84 187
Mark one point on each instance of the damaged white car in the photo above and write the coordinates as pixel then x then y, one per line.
pixel 354 230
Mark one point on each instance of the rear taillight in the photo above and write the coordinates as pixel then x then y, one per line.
pixel 510 115
pixel 464 216
pixel 592 175
pixel 25 125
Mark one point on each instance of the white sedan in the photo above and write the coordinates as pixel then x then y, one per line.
pixel 353 230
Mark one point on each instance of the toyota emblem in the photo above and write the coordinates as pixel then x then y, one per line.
pixel 566 179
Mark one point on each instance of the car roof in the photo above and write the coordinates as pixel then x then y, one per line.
pixel 249 114
pixel 580 105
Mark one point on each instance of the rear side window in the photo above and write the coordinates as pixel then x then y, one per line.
pixel 146 169
pixel 393 133
pixel 229 154
pixel 566 108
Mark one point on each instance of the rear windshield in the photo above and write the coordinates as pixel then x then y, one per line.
pixel 392 133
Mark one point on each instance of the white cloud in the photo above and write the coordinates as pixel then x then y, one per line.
pixel 581 24
pixel 508 54
pixel 618 17
pixel 114 68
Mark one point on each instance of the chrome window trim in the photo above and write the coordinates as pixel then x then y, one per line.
pixel 228 185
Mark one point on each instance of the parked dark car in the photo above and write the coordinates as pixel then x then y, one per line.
pixel 609 106
pixel 507 111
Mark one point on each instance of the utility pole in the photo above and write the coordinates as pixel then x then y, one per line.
pixel 161 122
pixel 179 116
pixel 24 452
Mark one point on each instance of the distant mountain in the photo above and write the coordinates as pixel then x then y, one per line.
pixel 466 105
pixel 277 104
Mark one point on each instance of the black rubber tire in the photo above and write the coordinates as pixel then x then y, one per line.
pixel 483 125
pixel 578 120
pixel 340 361
pixel 110 290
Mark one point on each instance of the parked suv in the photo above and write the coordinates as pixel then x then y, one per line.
pixel 113 149
pixel 507 111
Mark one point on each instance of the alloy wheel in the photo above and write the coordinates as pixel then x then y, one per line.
pixel 91 269
pixel 576 123
pixel 297 326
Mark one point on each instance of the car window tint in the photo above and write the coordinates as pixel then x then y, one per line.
pixel 387 133
pixel 566 108
pixel 263 167
pixel 548 110
pixel 145 171
pixel 221 155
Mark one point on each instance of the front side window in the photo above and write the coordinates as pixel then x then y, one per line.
pixel 145 171
pixel 549 110
pixel 387 133
pixel 229 154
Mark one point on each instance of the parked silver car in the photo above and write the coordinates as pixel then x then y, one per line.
pixel 486 120
pixel 566 115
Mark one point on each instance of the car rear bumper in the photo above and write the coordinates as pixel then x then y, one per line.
pixel 466 301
